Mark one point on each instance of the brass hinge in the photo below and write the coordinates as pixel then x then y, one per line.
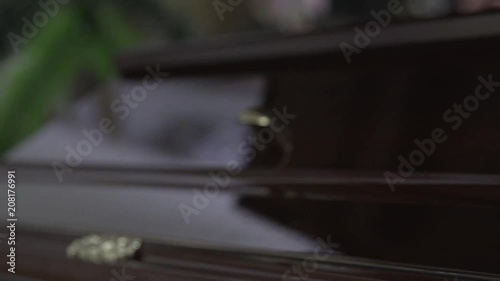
pixel 100 249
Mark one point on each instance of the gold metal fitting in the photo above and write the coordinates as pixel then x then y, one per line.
pixel 103 249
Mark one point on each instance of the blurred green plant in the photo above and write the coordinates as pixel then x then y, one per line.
pixel 82 36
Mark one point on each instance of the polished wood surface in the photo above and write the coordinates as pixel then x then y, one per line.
pixel 338 185
pixel 435 220
pixel 44 257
